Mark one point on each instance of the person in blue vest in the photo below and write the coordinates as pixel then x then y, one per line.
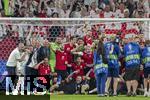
pixel 146 65
pixel 132 57
pixel 100 68
pixel 113 53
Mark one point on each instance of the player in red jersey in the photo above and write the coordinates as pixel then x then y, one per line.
pixel 44 73
pixel 88 58
pixel 67 48
pixel 43 67
pixel 61 64
pixel 88 38
pixel 78 68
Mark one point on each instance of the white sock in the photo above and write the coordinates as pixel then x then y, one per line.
pixel 91 91
pixel 145 90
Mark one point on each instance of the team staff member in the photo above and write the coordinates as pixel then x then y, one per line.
pixel 20 71
pixel 146 63
pixel 44 51
pixel 11 64
pixel 132 65
pixel 30 70
pixel 100 68
pixel 113 53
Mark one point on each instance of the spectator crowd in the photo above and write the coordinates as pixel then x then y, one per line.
pixel 75 8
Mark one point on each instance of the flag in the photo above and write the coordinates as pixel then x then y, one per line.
pixel 8 7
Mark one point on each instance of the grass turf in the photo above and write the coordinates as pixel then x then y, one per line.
pixel 19 97
pixel 71 97
pixel 94 97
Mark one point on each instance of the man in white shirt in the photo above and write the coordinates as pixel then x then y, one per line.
pixel 65 11
pixel 94 12
pixel 11 64
pixel 108 13
pixel 51 7
pixel 14 57
pixel 20 70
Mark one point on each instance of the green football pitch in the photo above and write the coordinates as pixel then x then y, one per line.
pixel 94 97
pixel 70 97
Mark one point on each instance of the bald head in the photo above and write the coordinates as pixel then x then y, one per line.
pixel 21 46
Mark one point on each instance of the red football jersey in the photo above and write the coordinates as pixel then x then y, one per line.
pixel 67 49
pixel 94 34
pixel 44 69
pixel 61 58
pixel 92 74
pixel 79 67
pixel 88 40
pixel 88 58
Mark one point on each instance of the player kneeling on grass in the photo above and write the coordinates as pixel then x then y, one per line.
pixel 146 63
pixel 70 86
pixel 100 68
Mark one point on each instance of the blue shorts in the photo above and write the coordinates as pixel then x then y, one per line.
pixel 113 72
pixel 146 72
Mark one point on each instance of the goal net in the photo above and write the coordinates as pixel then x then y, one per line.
pixel 14 29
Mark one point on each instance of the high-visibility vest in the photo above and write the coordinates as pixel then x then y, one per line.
pixel 146 57
pixel 132 54
pixel 97 66
pixel 101 68
pixel 146 60
pixel 131 57
pixel 113 57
